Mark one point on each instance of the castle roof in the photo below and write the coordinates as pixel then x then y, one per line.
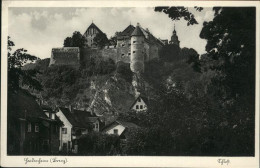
pixel 128 31
pixel 95 27
pixel 137 31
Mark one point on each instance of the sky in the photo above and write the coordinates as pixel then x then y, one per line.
pixel 40 29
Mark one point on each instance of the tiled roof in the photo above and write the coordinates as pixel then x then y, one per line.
pixel 143 98
pixel 23 105
pixel 137 32
pixel 128 125
pixel 129 30
pixel 79 118
pixel 94 26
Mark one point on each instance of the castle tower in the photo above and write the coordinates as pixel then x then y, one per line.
pixel 137 50
pixel 174 38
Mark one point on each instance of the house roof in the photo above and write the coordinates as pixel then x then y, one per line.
pixel 143 98
pixel 125 124
pixel 130 29
pixel 79 118
pixel 95 27
pixel 22 104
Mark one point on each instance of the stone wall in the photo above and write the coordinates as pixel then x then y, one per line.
pixel 109 53
pixel 65 56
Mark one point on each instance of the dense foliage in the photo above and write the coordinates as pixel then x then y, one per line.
pixel 101 40
pixel 96 143
pixel 18 77
pixel 77 40
pixel 205 107
pixel 176 13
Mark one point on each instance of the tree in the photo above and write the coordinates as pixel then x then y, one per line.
pixel 231 57
pixel 170 53
pixel 176 13
pixel 101 40
pixel 17 76
pixel 123 69
pixel 77 40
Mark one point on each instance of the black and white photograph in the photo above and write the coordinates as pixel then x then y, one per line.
pixel 160 81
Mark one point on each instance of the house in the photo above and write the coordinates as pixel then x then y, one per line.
pixel 120 128
pixel 54 130
pixel 140 104
pixel 76 123
pixel 28 128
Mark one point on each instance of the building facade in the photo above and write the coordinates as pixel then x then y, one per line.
pixel 130 48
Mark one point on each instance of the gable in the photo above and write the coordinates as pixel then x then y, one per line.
pixel 92 29
pixel 63 118
pixel 120 129
pixel 139 101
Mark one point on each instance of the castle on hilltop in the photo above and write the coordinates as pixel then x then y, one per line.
pixel 135 45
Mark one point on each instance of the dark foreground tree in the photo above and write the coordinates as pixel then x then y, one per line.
pixel 16 76
pixel 231 57
pixel 176 13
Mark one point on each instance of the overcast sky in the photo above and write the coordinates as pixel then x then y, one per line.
pixel 40 29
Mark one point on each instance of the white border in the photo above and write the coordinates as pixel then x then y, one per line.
pixel 129 161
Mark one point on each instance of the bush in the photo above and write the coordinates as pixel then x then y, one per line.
pixel 96 143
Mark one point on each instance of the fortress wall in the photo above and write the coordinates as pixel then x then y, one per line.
pixel 124 50
pixel 65 56
pixel 87 53
pixel 124 54
pixel 154 51
pixel 110 53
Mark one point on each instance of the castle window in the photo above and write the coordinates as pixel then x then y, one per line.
pixel 36 128
pixel 29 127
pixel 64 130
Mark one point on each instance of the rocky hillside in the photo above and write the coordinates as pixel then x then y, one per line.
pixel 105 87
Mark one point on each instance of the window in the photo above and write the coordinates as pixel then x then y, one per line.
pixel 47 114
pixel 129 53
pixel 64 130
pixel 96 126
pixel 141 106
pixel 116 131
pixel 53 116
pixel 133 51
pixel 29 127
pixel 123 55
pixel 134 41
pixel 137 107
pixel 36 127
pixel 123 45
pixel 139 99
